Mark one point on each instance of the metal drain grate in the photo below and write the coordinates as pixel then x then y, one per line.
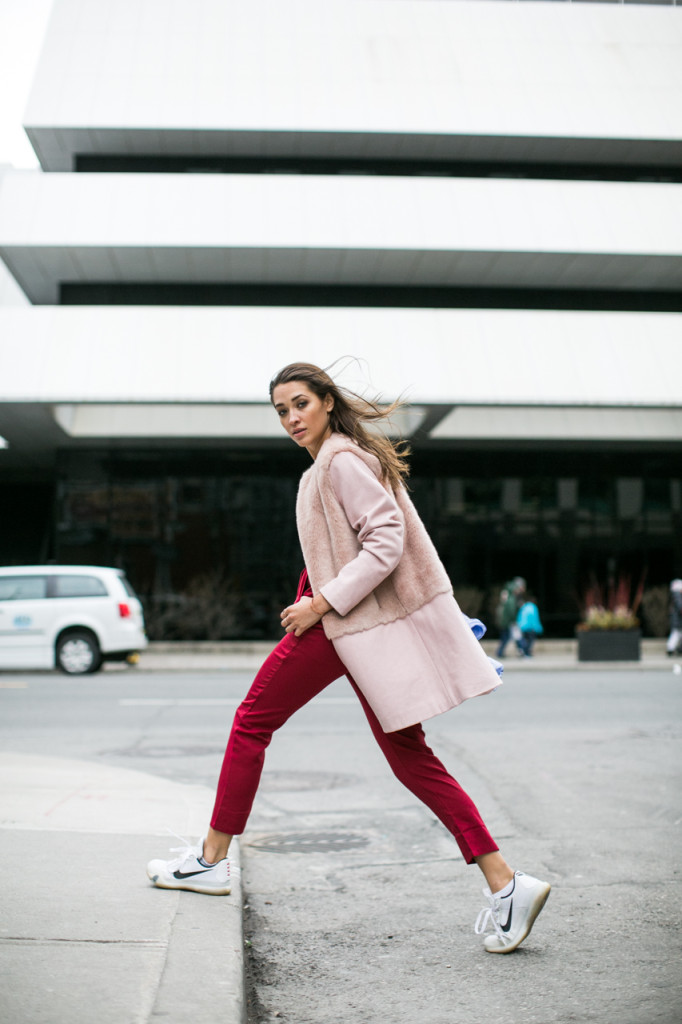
pixel 310 842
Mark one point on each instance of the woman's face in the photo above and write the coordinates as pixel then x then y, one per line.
pixel 304 416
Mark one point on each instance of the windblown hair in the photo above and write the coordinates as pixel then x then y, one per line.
pixel 350 414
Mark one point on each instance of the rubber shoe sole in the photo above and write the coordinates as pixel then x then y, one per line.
pixel 205 890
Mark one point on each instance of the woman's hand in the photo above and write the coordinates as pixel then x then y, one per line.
pixel 299 617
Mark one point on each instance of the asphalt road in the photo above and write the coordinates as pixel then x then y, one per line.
pixel 359 907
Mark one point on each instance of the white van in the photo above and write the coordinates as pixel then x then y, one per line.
pixel 72 617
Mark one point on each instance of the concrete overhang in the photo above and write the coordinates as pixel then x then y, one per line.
pixel 226 356
pixel 36 432
pixel 586 423
pixel 315 230
pixel 150 421
pixel 59 147
pixel 351 78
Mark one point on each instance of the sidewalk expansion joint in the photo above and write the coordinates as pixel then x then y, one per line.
pixel 46 940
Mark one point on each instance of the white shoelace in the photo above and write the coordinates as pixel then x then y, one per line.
pixel 490 916
pixel 184 852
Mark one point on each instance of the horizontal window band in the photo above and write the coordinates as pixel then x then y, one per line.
pixel 579 170
pixel 136 293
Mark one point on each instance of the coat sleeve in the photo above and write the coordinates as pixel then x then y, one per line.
pixel 374 515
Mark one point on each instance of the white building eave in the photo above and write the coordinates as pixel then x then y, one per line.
pixel 58 148
pixel 310 229
pixel 366 78
pixel 432 357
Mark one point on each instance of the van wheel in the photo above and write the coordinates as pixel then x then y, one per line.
pixel 78 654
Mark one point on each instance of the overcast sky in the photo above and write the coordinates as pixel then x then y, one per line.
pixel 22 28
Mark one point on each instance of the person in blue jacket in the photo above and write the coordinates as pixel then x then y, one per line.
pixel 528 621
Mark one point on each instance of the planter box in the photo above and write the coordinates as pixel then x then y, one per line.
pixel 609 645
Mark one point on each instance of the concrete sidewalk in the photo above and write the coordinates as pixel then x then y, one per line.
pixel 549 656
pixel 84 935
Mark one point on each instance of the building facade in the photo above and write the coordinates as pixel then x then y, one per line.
pixel 475 205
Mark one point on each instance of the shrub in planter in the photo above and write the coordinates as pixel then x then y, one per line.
pixel 609 645
pixel 609 630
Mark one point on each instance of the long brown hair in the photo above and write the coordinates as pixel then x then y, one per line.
pixel 349 415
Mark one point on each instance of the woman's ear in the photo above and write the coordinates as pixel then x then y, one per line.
pixel 329 403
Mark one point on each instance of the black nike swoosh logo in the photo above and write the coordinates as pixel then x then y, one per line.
pixel 507 926
pixel 189 874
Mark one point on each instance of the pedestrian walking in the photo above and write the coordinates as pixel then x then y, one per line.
pixel 508 604
pixel 674 644
pixel 530 627
pixel 374 603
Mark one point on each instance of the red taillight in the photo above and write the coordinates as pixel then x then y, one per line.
pixel 124 610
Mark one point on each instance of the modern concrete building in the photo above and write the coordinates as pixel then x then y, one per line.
pixel 480 200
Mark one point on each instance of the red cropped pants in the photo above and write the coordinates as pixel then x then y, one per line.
pixel 297 670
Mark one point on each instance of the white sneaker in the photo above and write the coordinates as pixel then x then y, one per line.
pixel 512 916
pixel 187 872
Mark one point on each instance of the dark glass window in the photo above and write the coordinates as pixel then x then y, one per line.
pixel 482 494
pixel 538 493
pixel 596 495
pixel 658 495
pixel 208 537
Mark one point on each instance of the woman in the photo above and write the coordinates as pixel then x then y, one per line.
pixel 528 622
pixel 374 603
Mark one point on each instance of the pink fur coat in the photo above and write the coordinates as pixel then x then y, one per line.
pixel 331 541
pixel 394 623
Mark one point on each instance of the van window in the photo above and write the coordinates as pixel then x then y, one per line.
pixel 23 588
pixel 78 586
pixel 127 586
